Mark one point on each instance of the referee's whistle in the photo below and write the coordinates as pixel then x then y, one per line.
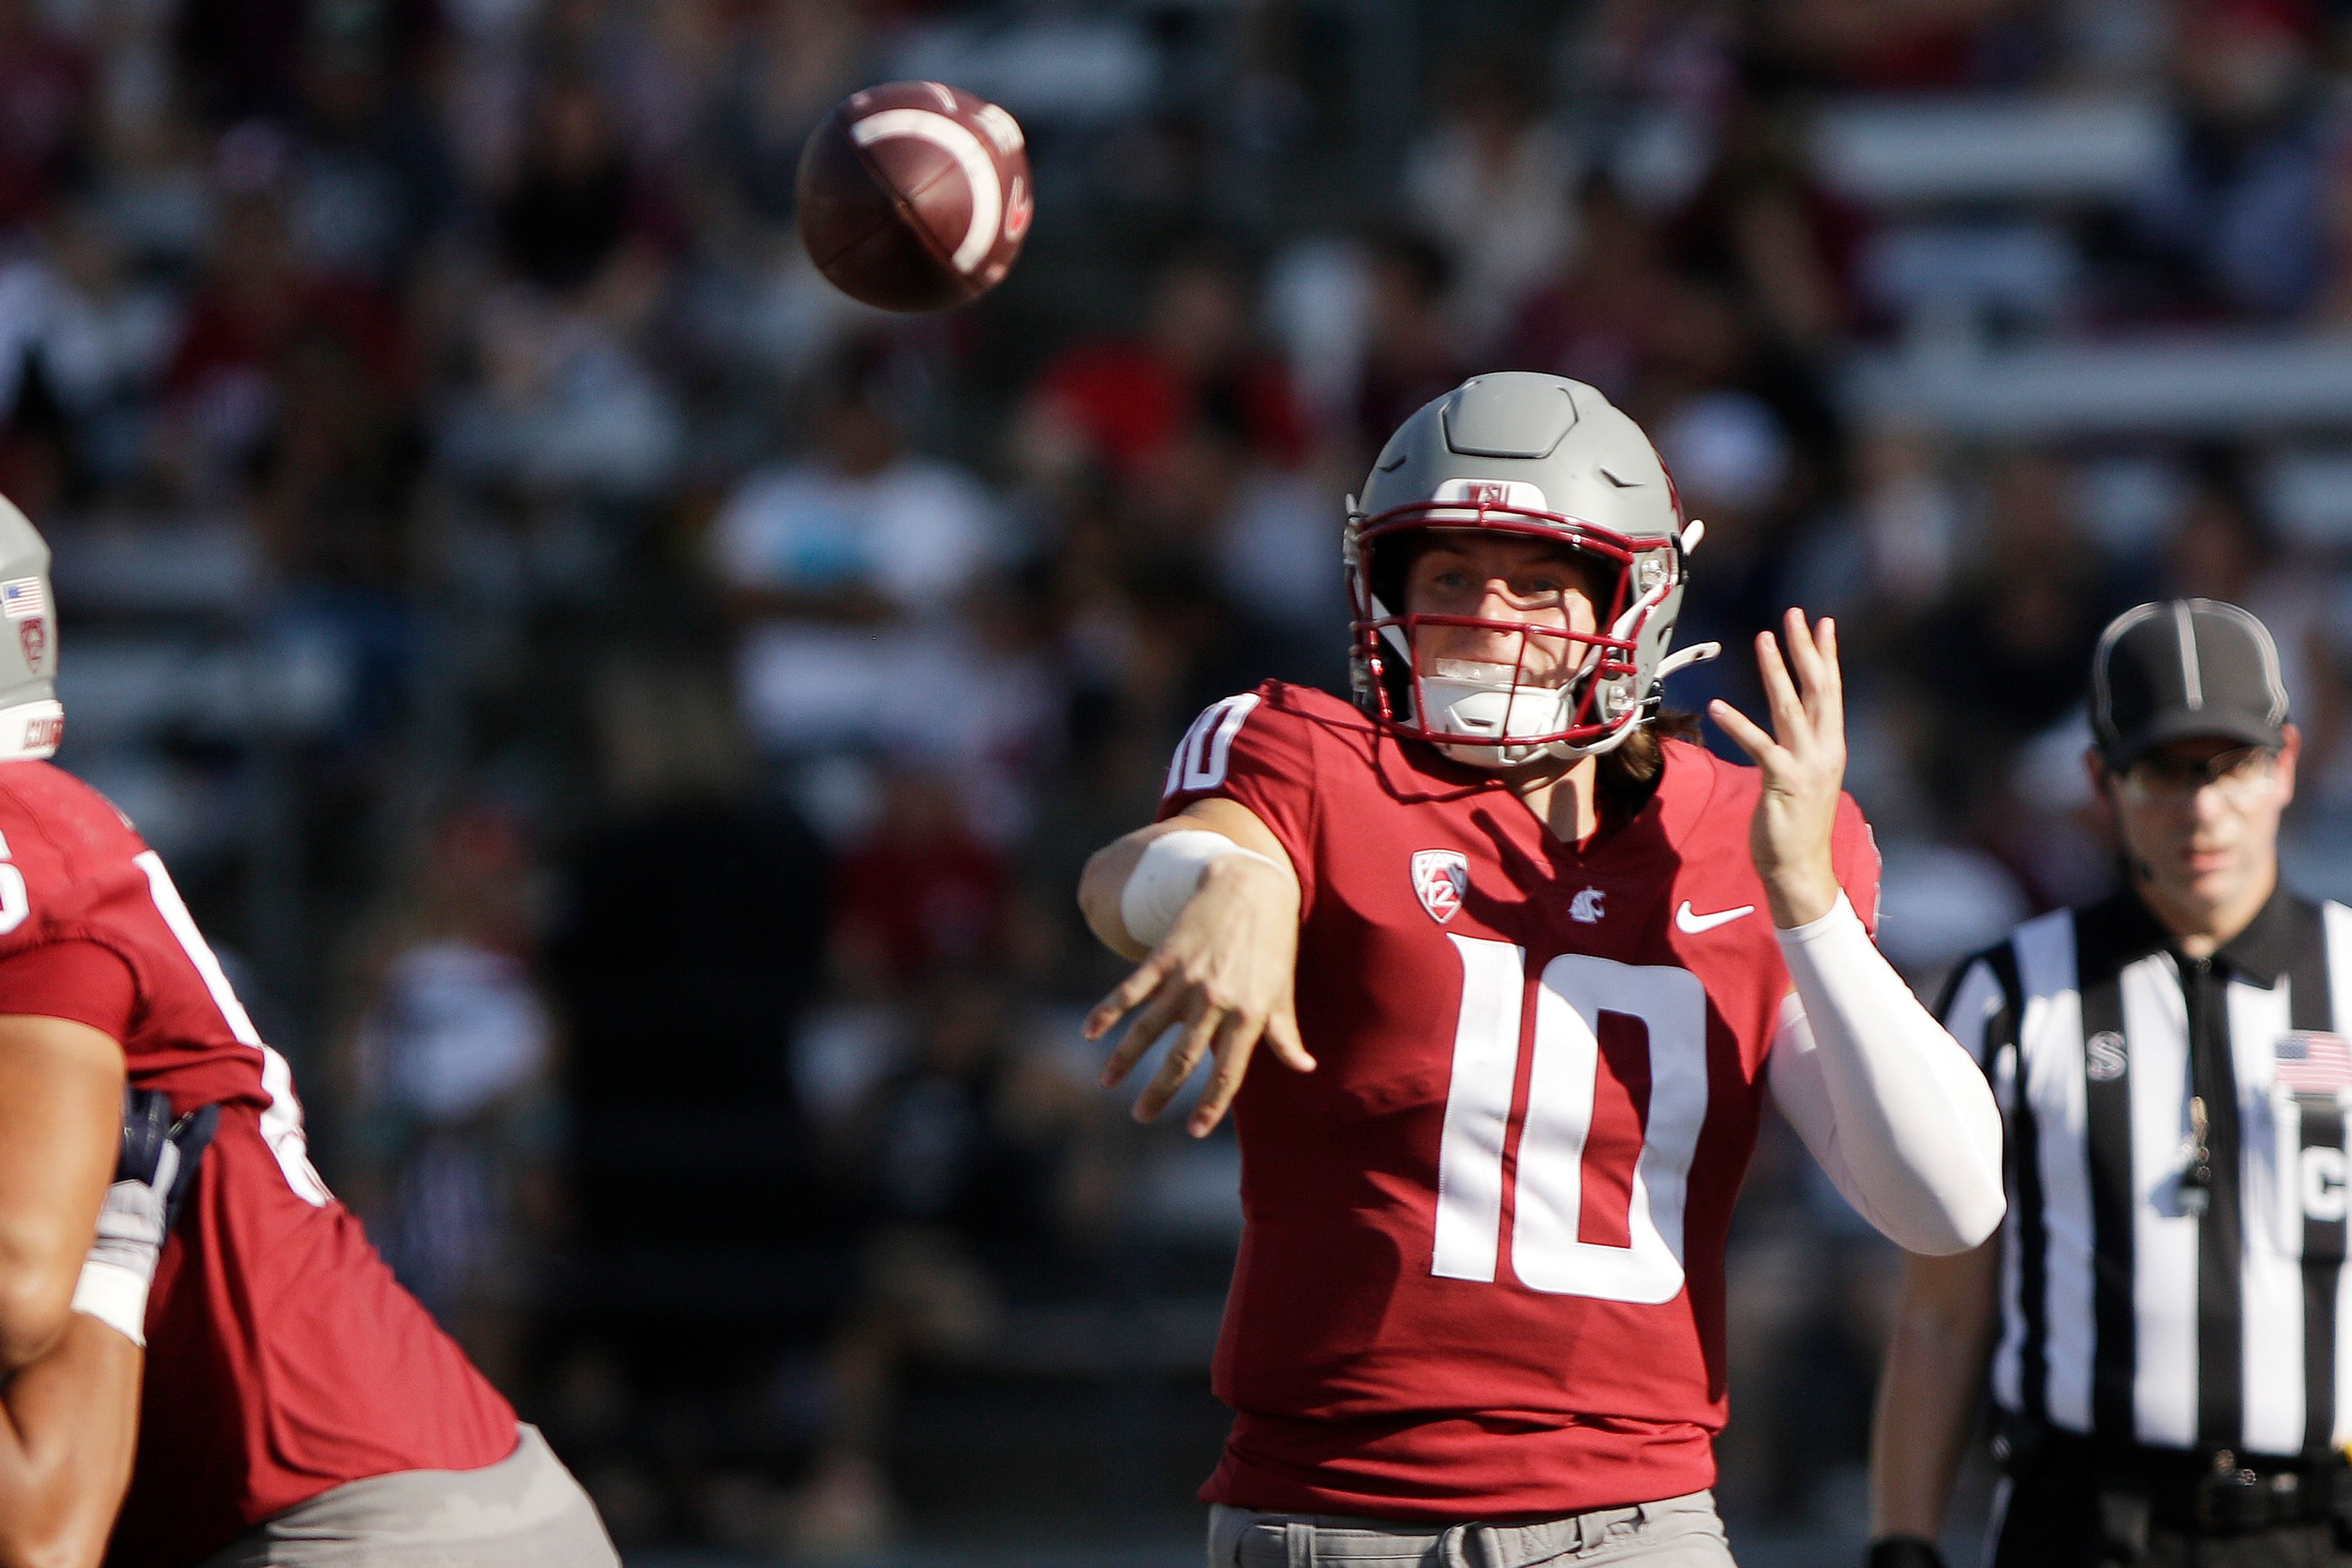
pixel 2197 1177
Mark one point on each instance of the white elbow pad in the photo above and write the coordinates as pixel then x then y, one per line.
pixel 1166 878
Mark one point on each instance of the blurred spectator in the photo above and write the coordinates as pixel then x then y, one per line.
pixel 1125 403
pixel 1761 218
pixel 1412 351
pixel 239 59
pixel 333 486
pixel 577 214
pixel 1731 465
pixel 254 302
pixel 1489 182
pixel 845 569
pixel 1938 46
pixel 1908 517
pixel 565 408
pixel 371 183
pixel 452 1054
pixel 970 1160
pixel 794 60
pixel 2223 547
pixel 46 125
pixel 2027 613
pixel 1592 320
pixel 1653 79
pixel 918 893
pixel 1277 567
pixel 690 925
pixel 2240 213
pixel 685 940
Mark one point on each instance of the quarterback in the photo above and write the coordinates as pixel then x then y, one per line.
pixel 1535 966
pixel 298 1408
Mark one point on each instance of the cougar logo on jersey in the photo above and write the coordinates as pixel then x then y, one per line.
pixel 1586 906
pixel 1441 878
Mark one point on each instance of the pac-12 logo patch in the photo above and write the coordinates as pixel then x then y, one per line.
pixel 34 636
pixel 1440 879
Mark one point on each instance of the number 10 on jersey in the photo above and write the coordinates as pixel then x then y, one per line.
pixel 1546 1252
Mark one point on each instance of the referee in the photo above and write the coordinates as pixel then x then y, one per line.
pixel 2163 1307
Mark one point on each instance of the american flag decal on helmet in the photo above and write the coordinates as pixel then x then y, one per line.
pixel 23 596
pixel 2314 1063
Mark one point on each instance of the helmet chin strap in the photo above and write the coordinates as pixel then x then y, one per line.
pixel 1464 700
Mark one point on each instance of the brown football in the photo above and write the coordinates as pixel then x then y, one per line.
pixel 915 196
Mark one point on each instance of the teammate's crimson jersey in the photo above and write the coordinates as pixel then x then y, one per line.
pixel 1481 1275
pixel 282 1357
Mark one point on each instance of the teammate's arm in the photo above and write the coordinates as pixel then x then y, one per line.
pixel 60 1128
pixel 1927 1391
pixel 1218 944
pixel 68 1410
pixel 68 1425
pixel 1886 1100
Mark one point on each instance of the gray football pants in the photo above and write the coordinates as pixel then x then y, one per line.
pixel 525 1512
pixel 1679 1532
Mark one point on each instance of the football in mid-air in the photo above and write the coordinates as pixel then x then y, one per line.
pixel 914 195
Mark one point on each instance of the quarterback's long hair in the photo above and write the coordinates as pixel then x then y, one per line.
pixel 1628 773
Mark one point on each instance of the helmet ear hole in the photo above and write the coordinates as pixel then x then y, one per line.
pixel 1391 563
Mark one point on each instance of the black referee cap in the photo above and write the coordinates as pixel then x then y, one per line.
pixel 2183 669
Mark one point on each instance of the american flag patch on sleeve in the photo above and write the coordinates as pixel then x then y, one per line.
pixel 23 596
pixel 2314 1063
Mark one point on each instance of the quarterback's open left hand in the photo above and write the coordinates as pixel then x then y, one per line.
pixel 1803 760
pixel 1225 973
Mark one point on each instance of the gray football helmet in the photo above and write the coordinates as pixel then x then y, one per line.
pixel 31 721
pixel 1550 459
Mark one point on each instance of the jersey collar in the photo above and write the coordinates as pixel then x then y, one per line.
pixel 2260 953
pixel 2266 948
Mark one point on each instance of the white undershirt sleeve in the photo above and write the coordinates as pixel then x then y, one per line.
pixel 1890 1104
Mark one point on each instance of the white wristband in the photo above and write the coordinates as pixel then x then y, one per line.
pixel 115 1296
pixel 1166 878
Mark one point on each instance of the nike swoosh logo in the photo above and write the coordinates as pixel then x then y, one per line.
pixel 1698 923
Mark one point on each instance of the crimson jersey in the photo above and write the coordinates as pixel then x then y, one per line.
pixel 1481 1274
pixel 282 1357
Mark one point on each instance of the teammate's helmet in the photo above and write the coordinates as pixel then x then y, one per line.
pixel 1549 458
pixel 30 718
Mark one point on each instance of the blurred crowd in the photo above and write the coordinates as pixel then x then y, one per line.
pixel 634 719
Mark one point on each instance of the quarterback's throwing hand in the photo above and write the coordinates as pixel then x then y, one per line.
pixel 1225 974
pixel 1803 762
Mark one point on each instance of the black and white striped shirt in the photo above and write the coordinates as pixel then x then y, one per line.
pixel 2143 1298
